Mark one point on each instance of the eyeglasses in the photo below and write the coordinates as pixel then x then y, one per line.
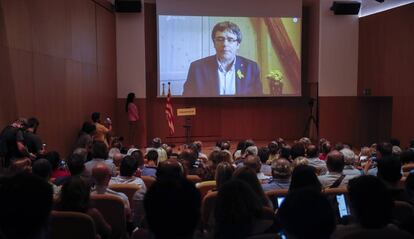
pixel 222 39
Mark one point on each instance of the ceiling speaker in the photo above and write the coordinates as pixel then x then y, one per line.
pixel 346 7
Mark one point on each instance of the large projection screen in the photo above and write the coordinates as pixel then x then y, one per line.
pixel 243 56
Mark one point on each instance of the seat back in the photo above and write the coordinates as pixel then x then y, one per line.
pixel 148 180
pixel 207 209
pixel 69 225
pixel 205 186
pixel 194 178
pixel 112 209
pixel 128 189
pixel 402 211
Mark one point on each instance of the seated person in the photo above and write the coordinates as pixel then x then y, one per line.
pixel 335 177
pixel 281 171
pixel 150 169
pixel 371 204
pixel 314 161
pixel 168 200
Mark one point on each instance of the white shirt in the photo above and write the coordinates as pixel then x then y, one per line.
pixel 227 79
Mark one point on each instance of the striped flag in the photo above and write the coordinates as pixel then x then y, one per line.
pixel 169 112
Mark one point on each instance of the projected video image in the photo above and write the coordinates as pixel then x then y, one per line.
pixel 229 56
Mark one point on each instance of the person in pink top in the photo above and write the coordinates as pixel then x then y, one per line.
pixel 133 117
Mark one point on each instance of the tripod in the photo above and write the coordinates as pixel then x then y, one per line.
pixel 311 121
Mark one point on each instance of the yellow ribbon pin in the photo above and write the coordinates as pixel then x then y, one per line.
pixel 240 74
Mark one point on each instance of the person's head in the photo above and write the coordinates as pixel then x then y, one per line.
pixel 409 186
pixel 249 176
pixel 54 159
pixel 81 152
pixel 152 156
pixel 285 152
pixel 389 169
pixel 281 169
pixel 349 156
pixel 395 142
pixel 301 160
pixel 225 145
pixel 307 213
pixel 263 154
pixel 76 164
pixel 225 156
pixel 74 195
pixel 88 128
pixel 247 143
pixel 312 151
pixel 130 99
pixel 407 157
pixel 335 161
pixel 370 201
pixel 170 170
pixel 112 152
pixel 32 124
pixel 129 166
pixel 411 144
pixel 25 204
pixel 95 117
pixel 99 150
pixel 298 149
pixel 253 162
pixel 304 176
pixel 42 168
pixel 167 199
pixel 188 158
pixel 101 174
pixel 156 142
pixel 273 147
pixel 326 147
pixel 227 38
pixel 139 157
pixel 237 208
pixel 383 149
pixel 224 173
pixel 252 150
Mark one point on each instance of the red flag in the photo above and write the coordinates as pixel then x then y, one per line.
pixel 169 112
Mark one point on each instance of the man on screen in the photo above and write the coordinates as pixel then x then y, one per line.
pixel 224 74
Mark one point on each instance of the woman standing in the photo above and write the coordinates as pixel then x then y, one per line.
pixel 133 117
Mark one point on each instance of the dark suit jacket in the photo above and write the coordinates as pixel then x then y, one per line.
pixel 203 80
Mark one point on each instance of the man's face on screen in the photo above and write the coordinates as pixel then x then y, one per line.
pixel 226 45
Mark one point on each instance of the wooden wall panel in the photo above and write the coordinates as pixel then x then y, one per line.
pixel 386 56
pixel 50 68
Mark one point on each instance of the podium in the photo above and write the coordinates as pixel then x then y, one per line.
pixel 187 112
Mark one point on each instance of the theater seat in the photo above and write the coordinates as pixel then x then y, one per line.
pixel 205 186
pixel 69 225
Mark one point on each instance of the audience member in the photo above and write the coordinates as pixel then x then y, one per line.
pixel 101 129
pixel 75 197
pixel 224 172
pixel 238 209
pixel 304 176
pixel 172 208
pixel 335 177
pixel 253 162
pixel 281 171
pixel 349 160
pixel 314 161
pixel 58 170
pixel 99 155
pixel 264 154
pixel 170 170
pixel 306 214
pixel 156 144
pixel 325 149
pixel 25 204
pixel 43 169
pixel 85 137
pixel 150 169
pixel 31 140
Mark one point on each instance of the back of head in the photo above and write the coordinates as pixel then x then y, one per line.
pixel 237 207
pixel 139 157
pixel 298 149
pixel 33 123
pixel 169 170
pixel 370 200
pixel 99 150
pixel 152 155
pixel 156 142
pixel 76 164
pixel 25 205
pixel 101 174
pixel 167 200
pixel 88 127
pixel 306 213
pixel 312 151
pixel 273 147
pixel 42 168
pixel 286 152
pixel 349 156
pixel 335 161
pixel 384 149
pixel 129 166
pixel 407 157
pixel 54 159
pixel 253 162
pixel 263 154
pixel 249 176
pixel 74 195
pixel 389 169
pixel 95 116
pixel 281 169
pixel 304 176
pixel 224 173
pixel 395 142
